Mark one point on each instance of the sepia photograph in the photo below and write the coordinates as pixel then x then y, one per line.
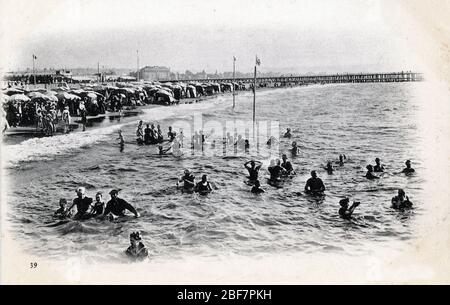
pixel 225 142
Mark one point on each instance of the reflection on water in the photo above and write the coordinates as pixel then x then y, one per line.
pixel 364 121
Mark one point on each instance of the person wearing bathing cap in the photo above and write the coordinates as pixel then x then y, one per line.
pixel 137 249
pixel 189 181
pixel 346 212
pixel 116 206
pixel 83 203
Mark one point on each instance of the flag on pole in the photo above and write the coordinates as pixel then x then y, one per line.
pixel 258 61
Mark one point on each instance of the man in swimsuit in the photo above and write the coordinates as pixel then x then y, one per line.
pixel 203 187
pixel 83 203
pixel 117 206
pixel 314 185
pixel 369 174
pixel 288 133
pixel 378 168
pixel 346 212
pixel 171 135
pixel 99 205
pixel 408 169
pixel 294 149
pixel 401 201
pixel 253 169
pixel 189 181
pixel 287 165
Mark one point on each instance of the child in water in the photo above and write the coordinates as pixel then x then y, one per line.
pixel 61 212
pixel 137 249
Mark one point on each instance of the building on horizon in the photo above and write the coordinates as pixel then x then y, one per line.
pixel 155 73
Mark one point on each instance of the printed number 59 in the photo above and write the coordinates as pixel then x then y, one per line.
pixel 33 265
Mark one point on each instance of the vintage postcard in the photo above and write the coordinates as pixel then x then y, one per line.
pixel 225 142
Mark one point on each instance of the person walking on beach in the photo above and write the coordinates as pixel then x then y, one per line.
pixel 66 119
pixel 140 133
pixel 121 140
pixel 83 119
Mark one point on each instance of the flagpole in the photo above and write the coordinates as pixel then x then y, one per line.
pixel 34 74
pixel 234 70
pixel 137 58
pixel 254 96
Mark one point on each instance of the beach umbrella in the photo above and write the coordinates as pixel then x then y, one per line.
pixel 19 98
pixel 36 94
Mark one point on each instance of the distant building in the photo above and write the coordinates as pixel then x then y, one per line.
pixel 155 73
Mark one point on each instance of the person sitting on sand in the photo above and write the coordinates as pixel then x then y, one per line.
pixel 287 165
pixel 369 174
pixel 346 212
pixel 256 189
pixel 188 181
pixel 294 149
pixel 378 168
pixel 99 205
pixel 137 250
pixel 117 206
pixel 401 201
pixel 83 203
pixel 61 212
pixel 329 168
pixel 287 133
pixel 408 169
pixel 314 185
pixel 203 187
pixel 253 168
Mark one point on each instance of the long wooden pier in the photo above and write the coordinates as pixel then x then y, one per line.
pixel 321 79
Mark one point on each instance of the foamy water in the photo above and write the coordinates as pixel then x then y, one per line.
pixel 364 121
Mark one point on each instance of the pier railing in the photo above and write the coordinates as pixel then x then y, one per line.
pixel 322 79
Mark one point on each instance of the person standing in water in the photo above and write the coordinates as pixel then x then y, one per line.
pixel 253 168
pixel 369 174
pixel 116 206
pixel 121 140
pixel 99 205
pixel 288 133
pixel 140 133
pixel 401 201
pixel 83 203
pixel 408 169
pixel 137 250
pixel 329 168
pixel 203 187
pixel 314 185
pixel 61 212
pixel 294 149
pixel 275 170
pixel 287 165
pixel 346 212
pixel 378 168
pixel 188 181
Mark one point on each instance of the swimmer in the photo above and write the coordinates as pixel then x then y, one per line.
pixel 256 189
pixel 408 169
pixel 314 185
pixel 275 170
pixel 162 150
pixel 188 181
pixel 287 165
pixel 271 140
pixel 203 187
pixel 83 203
pixel 329 168
pixel 61 212
pixel 346 212
pixel 117 206
pixel 253 168
pixel 99 205
pixel 401 201
pixel 341 159
pixel 294 149
pixel 288 133
pixel 137 249
pixel 378 168
pixel 369 174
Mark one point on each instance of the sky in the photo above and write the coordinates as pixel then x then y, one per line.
pixel 330 36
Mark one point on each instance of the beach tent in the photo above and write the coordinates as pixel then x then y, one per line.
pixel 19 98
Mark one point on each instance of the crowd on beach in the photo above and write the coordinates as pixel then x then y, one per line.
pixel 280 170
pixel 44 108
